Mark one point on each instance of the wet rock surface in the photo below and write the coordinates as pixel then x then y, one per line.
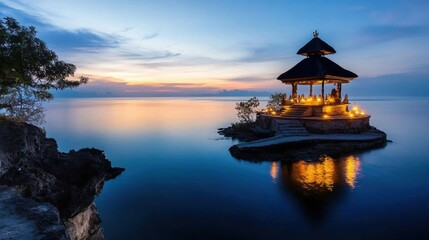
pixel 31 164
pixel 25 219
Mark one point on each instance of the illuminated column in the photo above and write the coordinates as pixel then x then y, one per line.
pixel 294 90
pixel 323 90
pixel 339 90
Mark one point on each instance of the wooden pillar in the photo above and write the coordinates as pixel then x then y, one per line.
pixel 339 90
pixel 323 90
pixel 294 90
pixel 311 89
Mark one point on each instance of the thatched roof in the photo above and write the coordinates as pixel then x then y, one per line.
pixel 316 46
pixel 315 69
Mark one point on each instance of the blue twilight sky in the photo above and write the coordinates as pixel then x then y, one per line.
pixel 179 48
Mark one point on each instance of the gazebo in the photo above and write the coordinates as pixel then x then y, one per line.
pixel 317 69
pixel 322 112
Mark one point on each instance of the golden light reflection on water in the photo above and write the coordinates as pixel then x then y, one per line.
pixel 124 116
pixel 315 175
pixel 321 176
pixel 274 170
pixel 352 166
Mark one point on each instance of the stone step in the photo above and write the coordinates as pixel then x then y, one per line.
pixel 293 134
pixel 293 131
pixel 290 123
pixel 294 111
pixel 290 135
pixel 290 128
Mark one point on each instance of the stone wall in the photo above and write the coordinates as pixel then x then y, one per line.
pixel 346 125
pixel 334 110
pixel 323 125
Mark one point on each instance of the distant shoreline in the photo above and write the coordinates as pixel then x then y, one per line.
pixel 239 98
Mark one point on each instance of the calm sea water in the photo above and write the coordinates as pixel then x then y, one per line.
pixel 181 182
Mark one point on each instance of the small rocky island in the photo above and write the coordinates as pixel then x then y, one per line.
pixel 46 194
pixel 306 127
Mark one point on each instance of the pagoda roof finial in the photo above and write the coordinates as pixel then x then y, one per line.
pixel 316 68
pixel 315 34
pixel 316 47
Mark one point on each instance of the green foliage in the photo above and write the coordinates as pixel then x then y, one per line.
pixel 28 70
pixel 23 105
pixel 246 110
pixel 275 101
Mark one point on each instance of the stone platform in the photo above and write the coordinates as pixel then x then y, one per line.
pixel 319 118
pixel 307 147
pixel 325 124
pixel 285 140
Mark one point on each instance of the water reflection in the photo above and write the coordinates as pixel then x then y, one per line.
pixel 274 172
pixel 352 166
pixel 321 176
pixel 318 185
pixel 124 116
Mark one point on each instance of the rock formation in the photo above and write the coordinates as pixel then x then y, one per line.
pixel 31 164
pixel 23 218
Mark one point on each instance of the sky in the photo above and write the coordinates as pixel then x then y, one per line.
pixel 224 47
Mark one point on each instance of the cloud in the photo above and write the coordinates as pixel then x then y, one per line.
pixel 149 55
pixel 251 55
pixel 82 40
pixel 384 33
pixel 266 53
pixel 60 39
pixel 85 46
pixel 406 84
pixel 239 92
pixel 248 79
pixel 109 88
pixel 150 36
pixel 115 89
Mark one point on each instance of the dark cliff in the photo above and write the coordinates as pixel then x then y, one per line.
pixel 31 164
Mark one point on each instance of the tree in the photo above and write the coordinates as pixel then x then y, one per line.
pixel 21 104
pixel 246 110
pixel 275 101
pixel 28 70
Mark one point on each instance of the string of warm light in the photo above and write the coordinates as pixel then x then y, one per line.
pixel 353 113
pixel 356 111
